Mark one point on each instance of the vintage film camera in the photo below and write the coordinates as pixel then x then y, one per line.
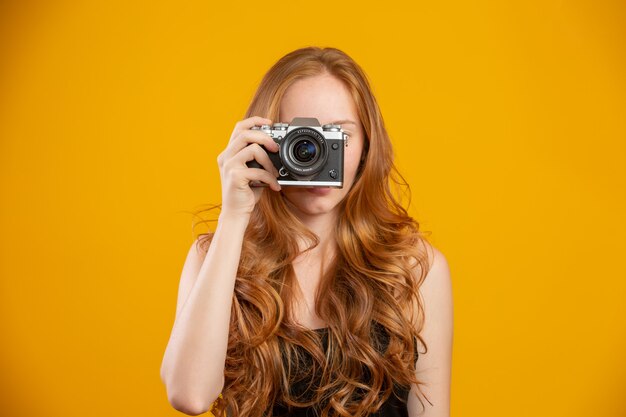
pixel 309 155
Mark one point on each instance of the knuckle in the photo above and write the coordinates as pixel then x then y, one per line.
pixel 243 134
pixel 232 175
pixel 238 135
pixel 256 147
pixel 227 165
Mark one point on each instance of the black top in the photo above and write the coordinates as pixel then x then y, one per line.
pixel 393 407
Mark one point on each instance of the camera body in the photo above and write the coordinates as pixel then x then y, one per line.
pixel 309 155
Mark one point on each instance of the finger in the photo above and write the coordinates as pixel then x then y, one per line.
pixel 246 124
pixel 247 137
pixel 258 174
pixel 254 152
pixel 244 138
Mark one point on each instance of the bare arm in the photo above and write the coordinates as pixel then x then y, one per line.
pixel 194 360
pixel 193 363
pixel 435 367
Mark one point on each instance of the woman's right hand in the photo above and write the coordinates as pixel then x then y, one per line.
pixel 238 198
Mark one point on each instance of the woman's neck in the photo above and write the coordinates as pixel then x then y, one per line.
pixel 323 225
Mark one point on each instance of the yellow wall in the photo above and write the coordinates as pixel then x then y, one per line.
pixel 509 121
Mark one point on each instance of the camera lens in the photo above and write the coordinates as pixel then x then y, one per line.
pixel 305 151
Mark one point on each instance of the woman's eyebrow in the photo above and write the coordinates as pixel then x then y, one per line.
pixel 341 122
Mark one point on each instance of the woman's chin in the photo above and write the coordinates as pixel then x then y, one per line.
pixel 311 201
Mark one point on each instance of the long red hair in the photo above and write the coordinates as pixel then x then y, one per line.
pixel 375 277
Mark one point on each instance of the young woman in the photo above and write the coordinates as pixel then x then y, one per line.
pixel 312 301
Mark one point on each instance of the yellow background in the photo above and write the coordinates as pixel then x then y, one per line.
pixel 508 120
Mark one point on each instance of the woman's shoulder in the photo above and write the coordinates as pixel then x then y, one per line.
pixel 428 257
pixel 439 262
pixel 436 259
pixel 433 275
